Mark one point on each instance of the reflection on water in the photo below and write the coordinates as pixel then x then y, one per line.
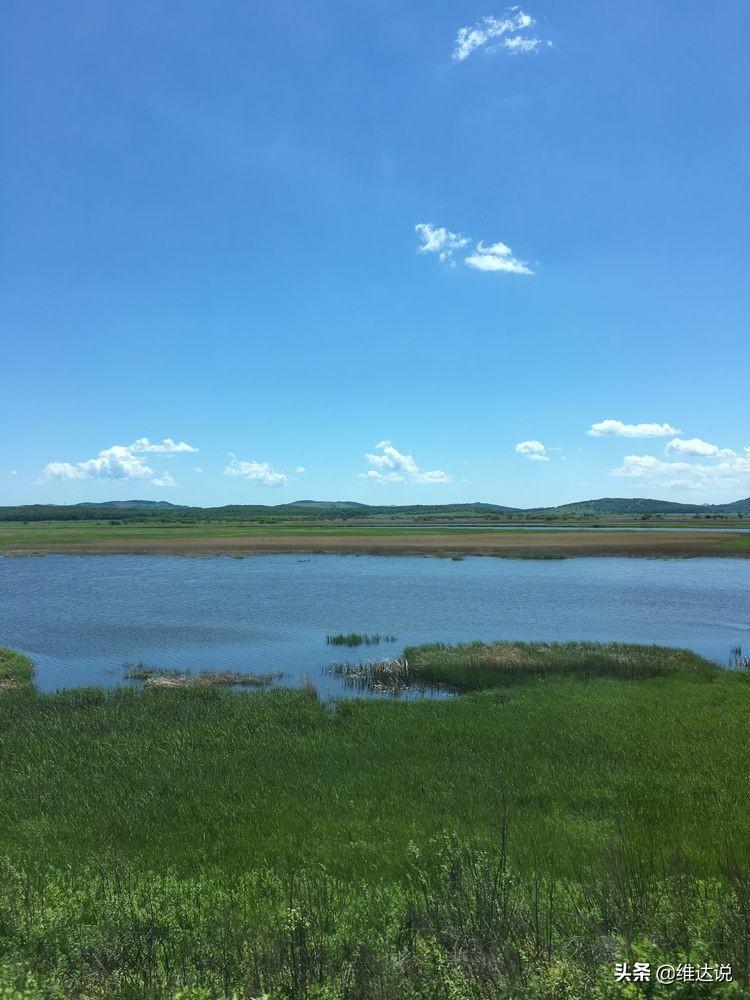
pixel 82 618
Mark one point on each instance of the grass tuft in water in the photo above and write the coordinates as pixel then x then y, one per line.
pixel 358 639
pixel 390 675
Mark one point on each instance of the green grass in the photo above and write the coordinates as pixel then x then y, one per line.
pixel 16 670
pixel 480 666
pixel 155 839
pixel 739 545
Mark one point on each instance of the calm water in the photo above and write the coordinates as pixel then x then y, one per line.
pixel 81 618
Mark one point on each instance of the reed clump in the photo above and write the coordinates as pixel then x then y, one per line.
pixel 391 675
pixel 358 639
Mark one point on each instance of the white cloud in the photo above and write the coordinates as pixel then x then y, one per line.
pixel 121 461
pixel 497 257
pixel 300 469
pixel 163 480
pixel 261 473
pixel 198 470
pixel 694 446
pixel 616 428
pixel 391 466
pixel 497 34
pixel 117 462
pixel 519 44
pixel 729 473
pixel 436 239
pixel 533 450
pixel 14 472
pixel 166 447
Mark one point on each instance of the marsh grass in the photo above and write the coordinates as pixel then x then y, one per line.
pixel 513 842
pixel 16 670
pixel 358 639
pixel 463 922
pixel 739 660
pixel 480 666
pixel 391 675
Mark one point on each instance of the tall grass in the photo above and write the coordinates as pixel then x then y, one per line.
pixel 511 842
pixel 462 922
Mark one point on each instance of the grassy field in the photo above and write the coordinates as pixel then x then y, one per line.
pixel 576 805
pixel 242 538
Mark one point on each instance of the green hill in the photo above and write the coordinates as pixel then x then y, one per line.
pixel 337 510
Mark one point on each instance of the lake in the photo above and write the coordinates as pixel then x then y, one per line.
pixel 82 618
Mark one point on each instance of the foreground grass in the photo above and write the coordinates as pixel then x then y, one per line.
pixel 592 802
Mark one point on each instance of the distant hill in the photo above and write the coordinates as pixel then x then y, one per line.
pixel 151 504
pixel 328 504
pixel 641 505
pixel 348 510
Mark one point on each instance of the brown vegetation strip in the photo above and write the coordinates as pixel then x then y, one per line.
pixel 538 545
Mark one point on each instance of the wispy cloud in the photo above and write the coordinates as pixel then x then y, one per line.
pixel 616 428
pixel 164 480
pixel 391 466
pixel 534 451
pixel 300 469
pixel 497 257
pixel 165 447
pixel 436 239
pixel 509 34
pixel 260 473
pixel 493 257
pixel 14 472
pixel 121 461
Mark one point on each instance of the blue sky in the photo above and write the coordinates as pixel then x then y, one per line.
pixel 208 235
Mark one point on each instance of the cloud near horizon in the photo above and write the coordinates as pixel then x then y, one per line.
pixel 731 471
pixel 497 34
pixel 166 479
pixel 534 451
pixel 118 462
pixel 260 473
pixel 616 428
pixel 391 466
pixel 495 257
